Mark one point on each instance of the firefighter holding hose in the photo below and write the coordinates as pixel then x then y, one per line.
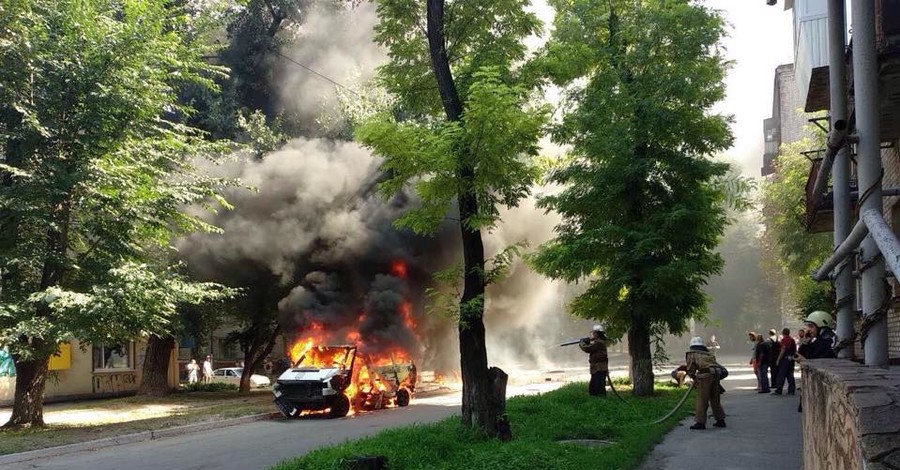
pixel 706 372
pixel 598 359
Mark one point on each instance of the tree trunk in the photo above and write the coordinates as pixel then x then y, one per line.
pixel 31 377
pixel 641 358
pixel 155 375
pixel 482 408
pixel 253 358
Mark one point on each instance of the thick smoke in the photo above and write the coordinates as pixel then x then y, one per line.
pixel 337 43
pixel 316 227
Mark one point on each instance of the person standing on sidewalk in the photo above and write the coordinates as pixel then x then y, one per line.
pixel 192 369
pixel 703 368
pixel 207 370
pixel 763 352
pixel 785 364
pixel 598 359
pixel 751 336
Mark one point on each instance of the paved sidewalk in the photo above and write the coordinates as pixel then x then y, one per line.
pixel 763 432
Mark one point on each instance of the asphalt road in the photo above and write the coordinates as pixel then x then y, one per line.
pixel 261 444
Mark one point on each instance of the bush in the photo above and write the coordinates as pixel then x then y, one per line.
pixel 210 387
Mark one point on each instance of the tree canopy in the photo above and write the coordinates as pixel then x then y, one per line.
pixel 794 253
pixel 96 172
pixel 642 202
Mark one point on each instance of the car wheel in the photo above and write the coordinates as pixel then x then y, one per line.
pixel 403 397
pixel 340 406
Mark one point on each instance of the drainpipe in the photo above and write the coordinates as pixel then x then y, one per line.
pixel 865 92
pixel 843 283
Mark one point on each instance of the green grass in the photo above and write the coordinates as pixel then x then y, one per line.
pixel 538 422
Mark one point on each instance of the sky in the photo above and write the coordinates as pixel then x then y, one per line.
pixel 760 39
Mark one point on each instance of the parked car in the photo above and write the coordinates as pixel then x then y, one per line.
pixel 232 375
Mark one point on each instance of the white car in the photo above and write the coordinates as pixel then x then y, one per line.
pixel 232 375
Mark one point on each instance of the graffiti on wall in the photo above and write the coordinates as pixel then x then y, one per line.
pixel 115 382
pixel 7 367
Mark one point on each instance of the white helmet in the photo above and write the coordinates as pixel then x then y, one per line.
pixel 599 328
pixel 697 341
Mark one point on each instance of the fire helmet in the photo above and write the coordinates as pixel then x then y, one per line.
pixel 599 328
pixel 697 341
pixel 820 319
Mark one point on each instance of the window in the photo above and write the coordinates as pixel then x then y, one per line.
pixel 220 373
pixel 113 356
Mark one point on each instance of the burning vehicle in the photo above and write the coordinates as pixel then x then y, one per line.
pixel 331 378
pixel 317 381
pixel 383 386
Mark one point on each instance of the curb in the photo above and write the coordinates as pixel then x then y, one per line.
pixel 131 438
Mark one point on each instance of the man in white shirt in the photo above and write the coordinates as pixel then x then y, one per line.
pixel 207 369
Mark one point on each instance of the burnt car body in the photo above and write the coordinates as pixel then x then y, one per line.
pixel 316 388
pixel 388 385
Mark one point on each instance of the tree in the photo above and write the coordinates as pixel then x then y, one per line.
pixel 642 203
pixel 793 252
pixel 93 177
pixel 467 143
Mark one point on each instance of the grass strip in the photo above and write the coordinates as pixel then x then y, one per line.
pixel 538 423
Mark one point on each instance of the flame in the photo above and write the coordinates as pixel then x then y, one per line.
pixel 406 311
pixel 398 269
pixel 377 373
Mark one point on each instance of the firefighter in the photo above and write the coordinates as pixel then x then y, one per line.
pixel 819 324
pixel 706 372
pixel 595 346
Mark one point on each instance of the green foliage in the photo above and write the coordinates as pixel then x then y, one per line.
pixel 479 34
pixel 263 137
pixel 498 133
pixel 643 204
pixel 538 422
pixel 88 102
pixel 794 252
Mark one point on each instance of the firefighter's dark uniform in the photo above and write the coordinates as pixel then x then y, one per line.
pixel 599 361
pixel 700 366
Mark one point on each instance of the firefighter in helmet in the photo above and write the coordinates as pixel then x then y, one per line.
pixel 595 346
pixel 706 373
pixel 819 324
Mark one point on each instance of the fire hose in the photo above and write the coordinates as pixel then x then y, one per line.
pixel 609 381
pixel 678 406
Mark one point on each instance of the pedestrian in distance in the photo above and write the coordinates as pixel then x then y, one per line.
pixel 207 370
pixel 598 359
pixel 774 349
pixel 751 338
pixel 193 370
pixel 785 364
pixel 706 373
pixel 763 353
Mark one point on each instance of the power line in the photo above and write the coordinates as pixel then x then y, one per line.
pixel 279 54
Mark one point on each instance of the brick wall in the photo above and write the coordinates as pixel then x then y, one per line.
pixel 851 415
pixel 890 161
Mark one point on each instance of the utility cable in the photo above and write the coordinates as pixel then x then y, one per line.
pixel 310 69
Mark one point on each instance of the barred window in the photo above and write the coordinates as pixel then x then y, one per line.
pixel 113 356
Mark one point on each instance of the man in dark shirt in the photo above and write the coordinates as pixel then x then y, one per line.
pixel 785 364
pixel 763 353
